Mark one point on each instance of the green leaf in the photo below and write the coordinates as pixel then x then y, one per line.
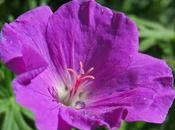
pixel 43 2
pixel 1 2
pixel 123 126
pixel 8 121
pixel 154 30
pixel 146 44
pixel 21 122
pixel 14 119
pixel 18 117
pixel 15 126
pixel 2 76
pixel 171 62
pixel 32 3
pixel 3 106
pixel 147 23
pixel 27 113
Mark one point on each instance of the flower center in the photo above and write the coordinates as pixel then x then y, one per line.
pixel 74 87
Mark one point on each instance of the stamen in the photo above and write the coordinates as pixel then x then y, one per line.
pixel 79 79
pixel 81 68
pixel 88 77
pixel 72 71
pixel 90 70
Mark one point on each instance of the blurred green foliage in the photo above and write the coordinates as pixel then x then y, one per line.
pixel 156 22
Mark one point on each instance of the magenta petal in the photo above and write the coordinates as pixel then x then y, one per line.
pixel 29 60
pixel 86 31
pixel 62 124
pixel 23 48
pixel 90 119
pixel 42 48
pixel 144 88
pixel 23 44
pixel 36 97
pixel 151 73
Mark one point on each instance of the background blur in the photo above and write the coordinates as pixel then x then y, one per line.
pixel 156 22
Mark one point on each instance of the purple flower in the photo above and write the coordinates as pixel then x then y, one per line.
pixel 80 67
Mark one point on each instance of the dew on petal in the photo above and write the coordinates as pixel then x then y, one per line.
pixel 80 105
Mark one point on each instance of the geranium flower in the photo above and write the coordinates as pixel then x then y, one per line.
pixel 80 68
